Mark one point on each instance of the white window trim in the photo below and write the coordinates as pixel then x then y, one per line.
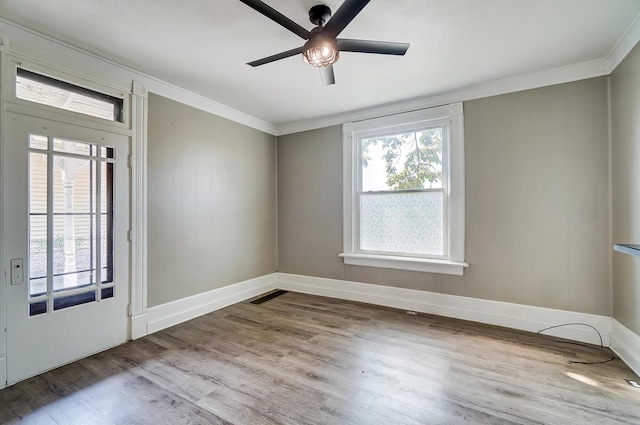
pixel 15 104
pixel 453 261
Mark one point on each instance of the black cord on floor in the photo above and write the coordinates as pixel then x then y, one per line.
pixel 601 349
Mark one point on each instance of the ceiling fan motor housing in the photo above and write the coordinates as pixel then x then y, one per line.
pixel 319 14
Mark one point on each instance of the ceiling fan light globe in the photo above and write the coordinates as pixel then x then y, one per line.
pixel 320 56
pixel 321 52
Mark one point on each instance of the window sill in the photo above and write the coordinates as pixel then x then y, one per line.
pixel 406 263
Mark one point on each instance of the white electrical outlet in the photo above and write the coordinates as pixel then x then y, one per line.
pixel 17 271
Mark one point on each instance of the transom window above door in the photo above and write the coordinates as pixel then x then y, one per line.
pixel 49 91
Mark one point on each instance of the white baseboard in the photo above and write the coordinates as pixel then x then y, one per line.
pixel 139 325
pixel 515 316
pixel 626 344
pixel 175 312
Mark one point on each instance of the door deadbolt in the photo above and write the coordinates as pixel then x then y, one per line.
pixel 17 271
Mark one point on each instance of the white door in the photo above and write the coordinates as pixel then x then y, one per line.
pixel 67 199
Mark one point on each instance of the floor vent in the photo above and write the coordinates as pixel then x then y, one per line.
pixel 269 297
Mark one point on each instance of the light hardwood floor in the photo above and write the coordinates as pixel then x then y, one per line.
pixel 301 359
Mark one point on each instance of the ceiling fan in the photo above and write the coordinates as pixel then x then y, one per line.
pixel 322 48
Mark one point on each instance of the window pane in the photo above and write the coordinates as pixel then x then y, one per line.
pixel 71 300
pixel 37 255
pixel 74 185
pixel 106 251
pixel 51 92
pixel 37 224
pixel 72 146
pixel 106 152
pixel 37 308
pixel 73 252
pixel 106 222
pixel 106 170
pixel 74 226
pixel 38 142
pixel 37 287
pixel 402 222
pixel 37 183
pixel 402 161
pixel 107 293
pixel 75 280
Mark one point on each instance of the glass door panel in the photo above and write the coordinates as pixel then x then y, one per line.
pixel 38 233
pixel 70 222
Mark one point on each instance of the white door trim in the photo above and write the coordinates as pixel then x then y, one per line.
pixel 3 259
pixel 138 310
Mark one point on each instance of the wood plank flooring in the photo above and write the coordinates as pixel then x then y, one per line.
pixel 301 359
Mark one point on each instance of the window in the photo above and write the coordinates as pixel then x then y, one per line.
pixel 404 191
pixel 70 223
pixel 58 94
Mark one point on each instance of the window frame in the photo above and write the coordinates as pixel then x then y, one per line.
pixel 452 260
pixel 117 102
pixel 22 106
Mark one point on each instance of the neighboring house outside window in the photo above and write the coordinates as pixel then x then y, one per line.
pixel 404 191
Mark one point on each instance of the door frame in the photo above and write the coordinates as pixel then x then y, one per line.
pixel 135 98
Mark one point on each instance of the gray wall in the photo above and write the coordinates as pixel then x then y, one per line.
pixel 537 203
pixel 211 201
pixel 625 169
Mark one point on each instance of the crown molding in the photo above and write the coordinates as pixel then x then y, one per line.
pixel 625 44
pixel 29 45
pixel 3 42
pixel 565 74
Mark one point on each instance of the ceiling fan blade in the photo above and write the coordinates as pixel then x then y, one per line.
pixel 277 17
pixel 344 15
pixel 326 73
pixel 276 57
pixel 369 46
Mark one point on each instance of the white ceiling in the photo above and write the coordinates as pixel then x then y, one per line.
pixel 203 46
